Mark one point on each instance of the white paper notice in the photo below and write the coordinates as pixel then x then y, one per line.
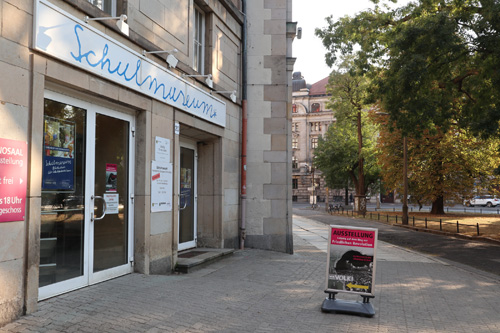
pixel 161 187
pixel 162 150
pixel 111 203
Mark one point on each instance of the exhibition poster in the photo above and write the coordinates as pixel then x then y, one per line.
pixel 351 260
pixel 13 174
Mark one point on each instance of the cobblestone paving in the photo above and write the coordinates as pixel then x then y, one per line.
pixel 263 291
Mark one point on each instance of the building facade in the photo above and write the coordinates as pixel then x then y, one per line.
pixel 311 118
pixel 135 129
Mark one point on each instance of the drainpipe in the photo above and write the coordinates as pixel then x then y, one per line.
pixel 244 119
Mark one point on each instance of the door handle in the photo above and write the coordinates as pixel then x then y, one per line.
pixel 104 208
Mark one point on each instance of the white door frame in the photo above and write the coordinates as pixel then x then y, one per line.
pixel 88 276
pixel 190 145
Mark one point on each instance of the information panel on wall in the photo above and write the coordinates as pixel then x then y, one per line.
pixel 13 174
pixel 351 260
pixel 161 187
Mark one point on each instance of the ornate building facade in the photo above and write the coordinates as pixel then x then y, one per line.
pixel 310 121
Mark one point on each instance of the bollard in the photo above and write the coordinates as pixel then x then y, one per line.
pixel 458 230
pixel 426 223
pixel 477 225
pixel 440 225
pixel 413 220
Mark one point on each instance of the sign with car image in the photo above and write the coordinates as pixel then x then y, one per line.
pixel 351 260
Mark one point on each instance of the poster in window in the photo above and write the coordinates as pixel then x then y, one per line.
pixel 186 186
pixel 111 177
pixel 58 158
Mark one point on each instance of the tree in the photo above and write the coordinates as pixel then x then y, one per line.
pixel 338 158
pixel 442 165
pixel 434 63
pixel 348 89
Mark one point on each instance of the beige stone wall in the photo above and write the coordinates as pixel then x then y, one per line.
pixel 154 25
pixel 269 126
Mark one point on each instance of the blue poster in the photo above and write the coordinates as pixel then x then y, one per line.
pixel 58 173
pixel 58 158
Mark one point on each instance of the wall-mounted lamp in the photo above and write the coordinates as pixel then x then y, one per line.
pixel 120 23
pixel 233 94
pixel 208 81
pixel 171 59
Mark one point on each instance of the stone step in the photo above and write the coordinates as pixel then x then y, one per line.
pixel 192 259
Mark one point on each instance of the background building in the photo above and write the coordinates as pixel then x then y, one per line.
pixel 122 143
pixel 310 121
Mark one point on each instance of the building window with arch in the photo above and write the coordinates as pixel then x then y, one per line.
pixel 295 143
pixel 294 108
pixel 314 143
pixel 295 183
pixel 295 127
pixel 295 162
pixel 315 107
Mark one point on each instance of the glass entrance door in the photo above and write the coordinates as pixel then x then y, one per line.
pixel 87 182
pixel 110 199
pixel 187 192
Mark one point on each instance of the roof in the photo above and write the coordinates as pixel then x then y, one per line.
pixel 319 88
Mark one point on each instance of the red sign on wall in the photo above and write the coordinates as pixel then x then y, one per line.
pixel 13 173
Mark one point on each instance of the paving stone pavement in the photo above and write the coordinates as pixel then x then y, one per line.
pixel 263 291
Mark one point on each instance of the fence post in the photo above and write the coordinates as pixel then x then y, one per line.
pixel 426 223
pixel 440 225
pixel 413 220
pixel 379 216
pixel 458 230
pixel 396 219
pixel 477 225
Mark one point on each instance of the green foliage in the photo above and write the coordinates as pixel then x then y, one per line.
pixel 441 165
pixel 337 155
pixel 434 63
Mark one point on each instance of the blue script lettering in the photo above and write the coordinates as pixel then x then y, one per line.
pixel 131 75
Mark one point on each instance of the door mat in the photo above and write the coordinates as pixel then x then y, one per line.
pixel 191 254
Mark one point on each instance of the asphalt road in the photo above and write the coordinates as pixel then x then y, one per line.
pixel 479 255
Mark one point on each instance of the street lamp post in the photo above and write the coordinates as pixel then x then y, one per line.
pixel 405 181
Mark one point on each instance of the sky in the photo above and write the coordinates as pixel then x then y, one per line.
pixel 311 14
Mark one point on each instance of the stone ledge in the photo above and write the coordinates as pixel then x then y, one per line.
pixel 192 259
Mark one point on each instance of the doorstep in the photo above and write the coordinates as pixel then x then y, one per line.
pixel 192 259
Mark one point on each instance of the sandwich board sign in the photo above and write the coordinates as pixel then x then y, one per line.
pixel 351 268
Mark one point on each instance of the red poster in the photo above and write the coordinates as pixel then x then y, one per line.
pixel 13 174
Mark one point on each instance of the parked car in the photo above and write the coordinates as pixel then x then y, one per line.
pixel 482 200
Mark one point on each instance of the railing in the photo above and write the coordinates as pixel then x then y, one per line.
pixel 424 222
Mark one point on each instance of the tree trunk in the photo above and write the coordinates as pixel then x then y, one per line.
pixel 438 206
